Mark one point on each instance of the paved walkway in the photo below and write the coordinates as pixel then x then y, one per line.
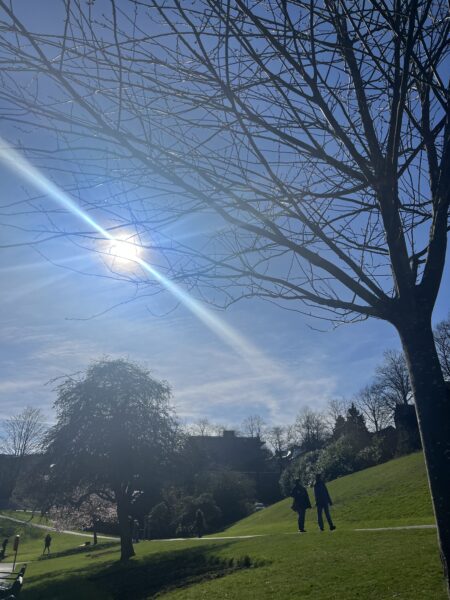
pixel 208 538
pixel 398 528
pixel 244 537
pixel 211 537
pixel 5 568
pixel 49 528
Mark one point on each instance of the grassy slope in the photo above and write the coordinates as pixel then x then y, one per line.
pixel 32 539
pixel 343 565
pixel 395 493
pixel 347 566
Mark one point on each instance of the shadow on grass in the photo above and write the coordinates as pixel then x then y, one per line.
pixel 147 577
pixel 166 571
pixel 89 550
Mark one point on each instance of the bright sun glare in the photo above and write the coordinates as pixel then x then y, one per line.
pixel 130 254
pixel 125 252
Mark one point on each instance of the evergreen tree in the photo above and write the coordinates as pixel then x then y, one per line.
pixel 355 428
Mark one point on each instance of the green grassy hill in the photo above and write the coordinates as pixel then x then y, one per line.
pixel 392 494
pixel 278 562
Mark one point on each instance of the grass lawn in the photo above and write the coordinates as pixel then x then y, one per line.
pixel 281 564
pixel 32 538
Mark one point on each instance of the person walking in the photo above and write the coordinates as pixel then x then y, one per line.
pixel 323 502
pixel 199 523
pixel 47 543
pixel 301 503
pixel 3 551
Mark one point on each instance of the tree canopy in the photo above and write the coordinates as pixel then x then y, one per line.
pixel 115 435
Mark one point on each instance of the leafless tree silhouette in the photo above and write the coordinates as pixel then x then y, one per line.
pixel 377 412
pixel 392 379
pixel 254 426
pixel 23 434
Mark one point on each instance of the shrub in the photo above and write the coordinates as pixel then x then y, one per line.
pixel 303 468
pixel 337 459
pixel 370 455
pixel 160 522
pixel 233 493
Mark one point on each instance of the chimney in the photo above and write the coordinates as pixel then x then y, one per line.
pixel 228 433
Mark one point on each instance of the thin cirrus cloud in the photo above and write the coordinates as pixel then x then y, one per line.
pixel 228 389
pixel 25 170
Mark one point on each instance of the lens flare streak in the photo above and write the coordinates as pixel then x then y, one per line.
pixel 21 166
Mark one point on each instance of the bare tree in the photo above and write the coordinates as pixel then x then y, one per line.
pixel 202 427
pixel 253 426
pixel 442 337
pixel 336 407
pixel 314 134
pixel 311 429
pixel 23 435
pixel 392 379
pixel 276 439
pixel 24 432
pixel 371 401
pixel 279 438
pixel 219 428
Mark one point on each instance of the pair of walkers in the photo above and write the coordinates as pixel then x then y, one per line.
pixel 302 503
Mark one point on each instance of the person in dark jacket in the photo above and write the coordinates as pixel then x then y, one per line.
pixel 323 502
pixel 301 503
pixel 47 543
pixel 199 523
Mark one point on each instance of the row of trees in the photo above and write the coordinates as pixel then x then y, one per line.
pixel 349 447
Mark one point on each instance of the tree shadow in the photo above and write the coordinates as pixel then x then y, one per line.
pixel 166 571
pixel 89 550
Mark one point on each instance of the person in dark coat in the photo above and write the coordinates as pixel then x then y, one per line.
pixel 199 523
pixel 301 503
pixel 323 502
pixel 47 542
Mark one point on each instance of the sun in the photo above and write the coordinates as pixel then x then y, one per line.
pixel 124 250
pixel 124 253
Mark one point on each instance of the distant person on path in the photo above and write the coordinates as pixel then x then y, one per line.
pixel 47 543
pixel 199 523
pixel 323 502
pixel 301 503
pixel 3 551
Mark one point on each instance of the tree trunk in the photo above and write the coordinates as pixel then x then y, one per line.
pixel 126 542
pixel 433 414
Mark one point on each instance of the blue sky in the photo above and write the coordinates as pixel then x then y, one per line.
pixel 49 329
